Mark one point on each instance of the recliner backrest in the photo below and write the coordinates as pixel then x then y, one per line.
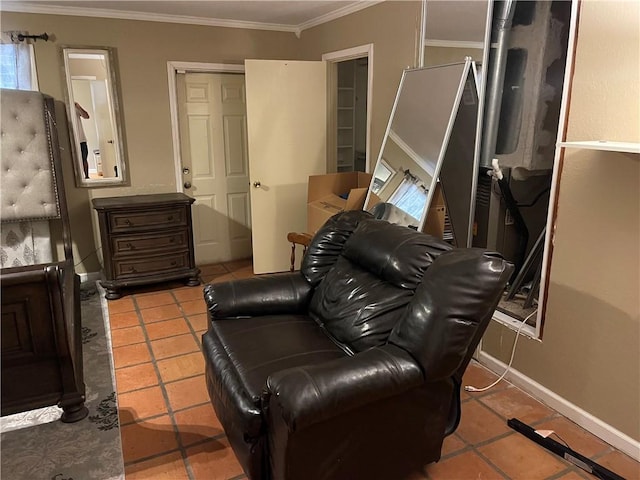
pixel 446 318
pixel 376 270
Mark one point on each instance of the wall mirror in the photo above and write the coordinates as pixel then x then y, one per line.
pixel 425 115
pixel 95 119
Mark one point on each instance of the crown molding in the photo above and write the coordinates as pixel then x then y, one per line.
pixel 26 7
pixel 341 12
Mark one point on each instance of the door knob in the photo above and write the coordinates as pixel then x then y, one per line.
pixel 187 184
pixel 256 184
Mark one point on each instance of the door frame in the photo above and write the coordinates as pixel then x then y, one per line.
pixel 173 68
pixel 361 51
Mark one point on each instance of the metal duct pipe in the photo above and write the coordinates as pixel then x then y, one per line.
pixel 497 68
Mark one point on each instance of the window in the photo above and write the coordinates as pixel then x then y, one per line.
pixel 17 67
pixel 410 196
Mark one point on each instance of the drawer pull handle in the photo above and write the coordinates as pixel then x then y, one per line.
pixel 172 240
pixel 170 217
pixel 132 270
pixel 174 263
pixel 129 246
pixel 128 222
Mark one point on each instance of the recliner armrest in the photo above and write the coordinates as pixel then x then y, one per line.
pixel 311 394
pixel 265 295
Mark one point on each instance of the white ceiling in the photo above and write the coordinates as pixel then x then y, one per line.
pixel 284 15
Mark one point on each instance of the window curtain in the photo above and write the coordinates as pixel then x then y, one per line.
pixel 410 196
pixel 18 67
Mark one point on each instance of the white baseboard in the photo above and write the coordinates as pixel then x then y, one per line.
pixel 90 277
pixel 606 432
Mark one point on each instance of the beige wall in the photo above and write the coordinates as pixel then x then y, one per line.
pixel 143 49
pixel 394 30
pixel 590 353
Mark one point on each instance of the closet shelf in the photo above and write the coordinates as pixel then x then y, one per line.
pixel 603 145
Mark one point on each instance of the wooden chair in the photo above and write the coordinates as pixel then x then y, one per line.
pixel 297 238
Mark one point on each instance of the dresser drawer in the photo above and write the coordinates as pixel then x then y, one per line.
pixel 150 264
pixel 138 220
pixel 145 243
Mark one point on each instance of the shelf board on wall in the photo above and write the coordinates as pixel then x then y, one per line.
pixel 626 147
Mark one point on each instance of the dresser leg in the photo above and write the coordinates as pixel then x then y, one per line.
pixel 73 410
pixel 193 281
pixel 113 293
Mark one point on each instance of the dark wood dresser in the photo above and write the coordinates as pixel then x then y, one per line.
pixel 146 239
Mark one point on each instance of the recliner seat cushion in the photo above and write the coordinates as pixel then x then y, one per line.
pixel 253 348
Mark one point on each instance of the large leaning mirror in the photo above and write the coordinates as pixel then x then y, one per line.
pixel 433 122
pixel 93 108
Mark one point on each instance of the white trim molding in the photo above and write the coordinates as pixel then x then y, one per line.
pixel 586 420
pixel 173 68
pixel 26 7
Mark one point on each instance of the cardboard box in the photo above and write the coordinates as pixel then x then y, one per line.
pixel 333 193
pixel 434 223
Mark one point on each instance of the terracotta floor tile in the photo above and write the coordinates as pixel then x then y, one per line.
pixel 151 300
pixel 572 476
pixel 468 465
pixel 218 453
pixel 187 393
pixel 193 307
pixel 136 377
pixel 199 322
pixel 123 320
pixel 181 367
pixel 246 272
pixel 173 346
pixel 131 355
pixel 621 464
pixel 157 314
pixel 220 278
pixel 197 423
pixel 166 328
pixel 151 437
pixel 238 264
pixel 479 424
pixel 513 402
pixel 189 293
pixel 578 438
pixel 452 443
pixel 215 269
pixel 141 404
pixel 520 458
pixel 165 467
pixel 478 376
pixel 121 305
pixel 127 336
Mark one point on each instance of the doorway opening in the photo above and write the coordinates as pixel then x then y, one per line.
pixel 349 121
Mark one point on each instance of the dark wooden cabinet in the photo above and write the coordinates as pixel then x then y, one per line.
pixel 146 239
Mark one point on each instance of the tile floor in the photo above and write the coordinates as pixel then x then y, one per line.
pixel 169 430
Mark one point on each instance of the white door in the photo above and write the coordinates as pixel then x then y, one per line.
pixel 212 113
pixel 104 125
pixel 287 127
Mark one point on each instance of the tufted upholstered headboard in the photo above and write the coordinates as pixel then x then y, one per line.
pixel 31 194
pixel 28 176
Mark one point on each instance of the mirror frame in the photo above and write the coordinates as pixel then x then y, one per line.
pixel 117 117
pixel 467 71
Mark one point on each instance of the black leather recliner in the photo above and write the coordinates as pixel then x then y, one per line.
pixel 351 367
